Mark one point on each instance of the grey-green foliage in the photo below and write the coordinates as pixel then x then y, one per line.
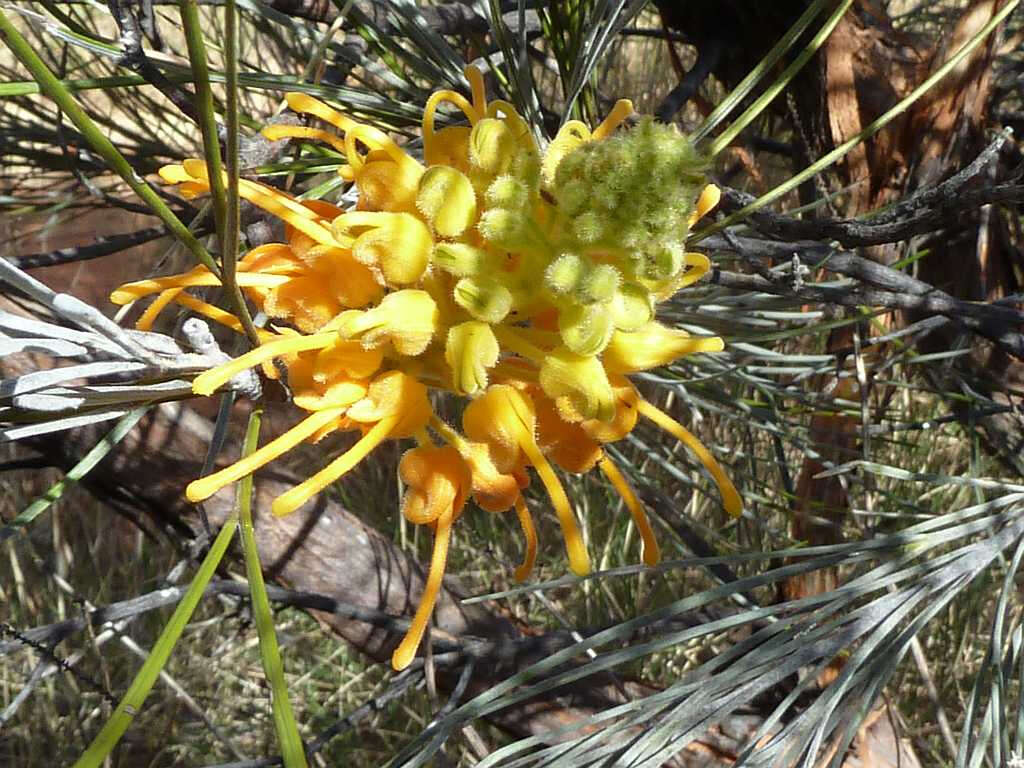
pixel 926 524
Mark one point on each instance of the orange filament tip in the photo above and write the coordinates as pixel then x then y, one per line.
pixel 209 382
pixel 406 650
pixel 146 320
pixel 623 108
pixel 579 560
pixel 731 499
pixel 651 552
pixel 291 500
pixel 205 487
pixel 530 534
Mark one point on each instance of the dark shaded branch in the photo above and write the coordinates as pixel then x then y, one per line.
pixel 927 210
pixel 1000 324
pixel 103 246
pixel 708 56
pixel 135 59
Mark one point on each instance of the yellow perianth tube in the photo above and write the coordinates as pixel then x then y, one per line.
pixel 205 487
pixel 579 560
pixel 530 534
pixel 284 131
pixel 651 553
pixel 514 341
pixel 730 497
pixel 286 209
pixel 623 108
pixel 147 318
pixel 302 102
pixel 476 85
pixel 218 315
pixel 406 650
pixel 208 382
pixel 132 291
pixel 294 498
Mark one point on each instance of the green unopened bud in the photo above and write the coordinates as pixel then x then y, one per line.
pixel 471 349
pixel 506 191
pixel 504 228
pixel 491 145
pixel 460 259
pixel 606 196
pixel 588 227
pixel 484 298
pixel 573 197
pixel 666 261
pixel 526 167
pixel 585 329
pixel 599 284
pixel 447 201
pixel 632 307
pixel 564 273
pixel 633 236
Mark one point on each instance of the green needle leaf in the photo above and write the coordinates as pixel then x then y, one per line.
pixel 284 719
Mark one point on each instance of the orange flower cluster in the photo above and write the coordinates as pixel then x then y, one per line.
pixel 524 282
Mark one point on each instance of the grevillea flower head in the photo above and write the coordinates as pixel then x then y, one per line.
pixel 520 277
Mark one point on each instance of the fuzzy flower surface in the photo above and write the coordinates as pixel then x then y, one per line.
pixel 522 281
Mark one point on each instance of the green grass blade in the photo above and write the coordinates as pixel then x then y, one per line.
pixel 192 28
pixel 284 719
pixel 232 215
pixel 132 701
pixel 726 137
pixel 80 470
pixel 53 88
pixel 18 88
pixel 741 91
pixel 878 124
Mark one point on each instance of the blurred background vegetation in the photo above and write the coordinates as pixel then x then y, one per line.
pixel 864 611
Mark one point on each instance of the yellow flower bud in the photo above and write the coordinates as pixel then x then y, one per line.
pixel 449 146
pixel 346 358
pixel 653 345
pixel 632 307
pixel 585 328
pixel 484 298
pixel 460 259
pixel 394 395
pixel 504 419
pixel 578 384
pixel 446 199
pixel 571 135
pixel 438 480
pixel 408 319
pixel 492 144
pixel 494 491
pixel 398 245
pixel 620 425
pixel 471 349
pixel 385 185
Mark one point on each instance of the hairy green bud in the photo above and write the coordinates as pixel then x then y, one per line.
pixel 564 274
pixel 599 284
